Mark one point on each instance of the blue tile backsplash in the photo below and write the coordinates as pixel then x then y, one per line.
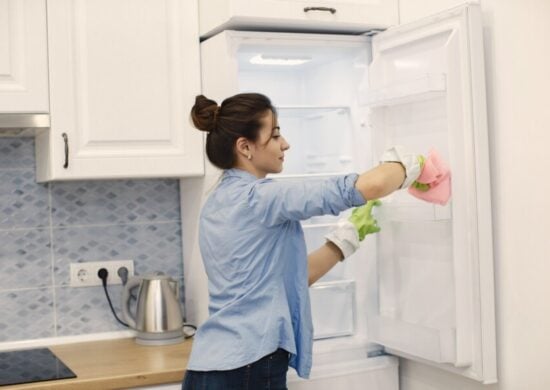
pixel 45 227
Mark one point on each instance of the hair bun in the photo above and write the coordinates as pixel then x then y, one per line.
pixel 204 113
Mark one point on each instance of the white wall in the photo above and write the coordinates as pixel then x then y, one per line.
pixel 516 34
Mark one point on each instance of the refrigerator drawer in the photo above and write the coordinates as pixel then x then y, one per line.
pixel 333 309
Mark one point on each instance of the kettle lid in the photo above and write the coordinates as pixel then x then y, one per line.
pixel 156 276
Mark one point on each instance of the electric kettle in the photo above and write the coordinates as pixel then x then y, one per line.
pixel 157 318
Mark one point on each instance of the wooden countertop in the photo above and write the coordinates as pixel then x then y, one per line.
pixel 117 364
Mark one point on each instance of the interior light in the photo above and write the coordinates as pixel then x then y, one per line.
pixel 262 59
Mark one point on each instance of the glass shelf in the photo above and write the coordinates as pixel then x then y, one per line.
pixel 320 138
pixel 308 110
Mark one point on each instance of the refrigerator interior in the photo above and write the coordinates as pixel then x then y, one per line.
pixel 313 84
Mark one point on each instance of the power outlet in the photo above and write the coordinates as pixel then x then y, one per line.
pixel 85 274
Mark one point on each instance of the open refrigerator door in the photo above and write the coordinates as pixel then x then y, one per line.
pixel 434 263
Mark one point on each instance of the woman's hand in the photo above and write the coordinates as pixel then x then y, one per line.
pixel 351 231
pixel 343 241
pixel 398 169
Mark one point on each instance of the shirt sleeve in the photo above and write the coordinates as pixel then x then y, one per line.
pixel 275 202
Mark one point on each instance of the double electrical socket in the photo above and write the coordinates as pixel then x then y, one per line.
pixel 85 274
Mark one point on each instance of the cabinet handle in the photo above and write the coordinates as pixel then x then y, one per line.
pixel 66 140
pixel 328 9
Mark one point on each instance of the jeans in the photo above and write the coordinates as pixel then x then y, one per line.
pixel 268 373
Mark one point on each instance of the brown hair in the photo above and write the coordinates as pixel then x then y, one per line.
pixel 237 116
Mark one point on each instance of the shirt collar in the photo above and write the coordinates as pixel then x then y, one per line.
pixel 240 173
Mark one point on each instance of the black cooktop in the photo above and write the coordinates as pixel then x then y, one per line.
pixel 31 365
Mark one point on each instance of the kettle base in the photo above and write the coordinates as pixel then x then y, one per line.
pixel 160 338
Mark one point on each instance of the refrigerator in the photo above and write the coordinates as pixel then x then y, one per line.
pixel 422 288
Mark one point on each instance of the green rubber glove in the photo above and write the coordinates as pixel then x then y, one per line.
pixel 362 219
pixel 421 186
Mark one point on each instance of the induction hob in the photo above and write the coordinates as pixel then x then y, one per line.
pixel 31 365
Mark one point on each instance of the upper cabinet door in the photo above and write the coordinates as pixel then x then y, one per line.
pixel 123 78
pixel 435 263
pixel 296 15
pixel 23 57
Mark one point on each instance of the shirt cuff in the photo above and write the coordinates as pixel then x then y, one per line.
pixel 353 196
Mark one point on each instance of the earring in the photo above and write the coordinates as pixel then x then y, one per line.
pixel 249 157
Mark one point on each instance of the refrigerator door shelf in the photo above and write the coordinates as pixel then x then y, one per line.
pixel 435 264
pixel 435 345
pixel 414 210
pixel 426 87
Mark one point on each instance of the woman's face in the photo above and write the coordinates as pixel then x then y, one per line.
pixel 268 150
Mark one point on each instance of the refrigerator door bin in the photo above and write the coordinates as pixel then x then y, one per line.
pixel 436 345
pixel 424 87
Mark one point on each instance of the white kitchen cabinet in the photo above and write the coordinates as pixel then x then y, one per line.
pixel 123 78
pixel 351 16
pixel 23 57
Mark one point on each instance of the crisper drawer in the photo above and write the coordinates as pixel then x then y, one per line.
pixel 333 308
pixel 292 15
pixel 380 373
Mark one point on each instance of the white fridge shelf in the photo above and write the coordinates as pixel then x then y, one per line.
pixel 424 88
pixel 304 110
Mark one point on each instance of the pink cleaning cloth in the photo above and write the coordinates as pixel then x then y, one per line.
pixel 437 176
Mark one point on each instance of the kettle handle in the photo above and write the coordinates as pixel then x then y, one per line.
pixel 128 316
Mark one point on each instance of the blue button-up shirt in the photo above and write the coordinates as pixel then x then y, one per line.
pixel 254 253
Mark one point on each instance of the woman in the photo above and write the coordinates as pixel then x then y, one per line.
pixel 253 246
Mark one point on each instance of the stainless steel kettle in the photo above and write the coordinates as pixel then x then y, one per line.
pixel 157 319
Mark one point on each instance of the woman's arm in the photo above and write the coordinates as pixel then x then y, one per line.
pixel 381 180
pixel 320 261
pixel 378 182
